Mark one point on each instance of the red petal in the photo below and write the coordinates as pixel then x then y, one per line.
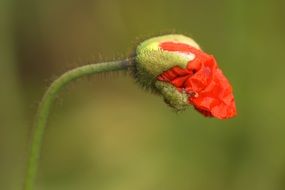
pixel 217 98
pixel 179 82
pixel 209 90
pixel 180 71
pixel 173 46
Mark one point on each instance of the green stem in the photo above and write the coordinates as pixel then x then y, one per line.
pixel 45 106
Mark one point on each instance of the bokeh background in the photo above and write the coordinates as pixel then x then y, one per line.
pixel 105 132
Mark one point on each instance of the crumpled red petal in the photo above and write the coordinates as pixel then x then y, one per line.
pixel 209 90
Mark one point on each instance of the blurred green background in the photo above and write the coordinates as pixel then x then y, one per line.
pixel 105 132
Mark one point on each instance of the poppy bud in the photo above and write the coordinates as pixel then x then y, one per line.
pixel 175 67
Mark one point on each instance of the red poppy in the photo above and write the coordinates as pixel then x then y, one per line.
pixel 208 89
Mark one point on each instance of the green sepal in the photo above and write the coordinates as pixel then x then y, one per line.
pixel 175 99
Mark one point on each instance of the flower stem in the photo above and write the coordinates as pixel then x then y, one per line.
pixel 46 103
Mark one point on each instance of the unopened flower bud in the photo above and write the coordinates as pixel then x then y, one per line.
pixel 175 67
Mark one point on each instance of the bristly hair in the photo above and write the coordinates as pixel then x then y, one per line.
pixel 147 85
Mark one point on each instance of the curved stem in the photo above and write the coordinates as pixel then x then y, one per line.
pixel 45 105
